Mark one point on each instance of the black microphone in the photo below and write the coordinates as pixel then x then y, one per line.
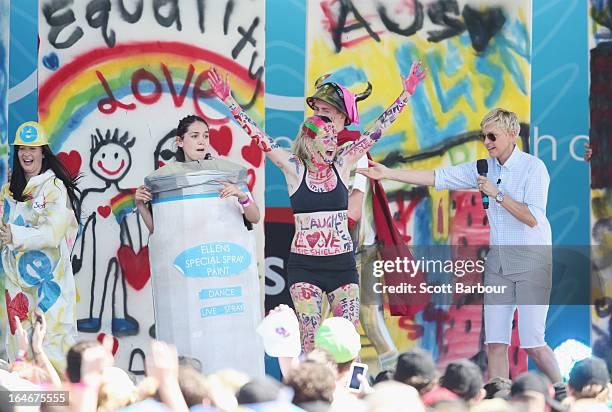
pixel 483 167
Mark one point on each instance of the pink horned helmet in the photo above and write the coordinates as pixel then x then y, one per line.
pixel 339 97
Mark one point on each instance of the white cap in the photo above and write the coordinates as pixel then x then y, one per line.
pixel 281 334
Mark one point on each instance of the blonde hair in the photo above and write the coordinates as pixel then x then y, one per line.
pixel 505 119
pixel 300 146
pixel 117 390
pixel 311 127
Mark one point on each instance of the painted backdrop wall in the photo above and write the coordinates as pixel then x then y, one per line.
pixel 559 86
pixel 556 118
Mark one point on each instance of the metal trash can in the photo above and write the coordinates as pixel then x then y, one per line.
pixel 204 267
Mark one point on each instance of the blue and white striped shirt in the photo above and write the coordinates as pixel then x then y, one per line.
pixel 525 179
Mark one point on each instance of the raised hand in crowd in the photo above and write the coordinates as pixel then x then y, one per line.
pixel 163 366
pixel 286 363
pixel 38 352
pixel 22 340
pixel 84 394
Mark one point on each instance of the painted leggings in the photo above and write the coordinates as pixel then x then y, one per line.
pixel 308 303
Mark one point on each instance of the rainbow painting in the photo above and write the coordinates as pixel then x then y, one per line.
pixel 123 204
pixel 86 83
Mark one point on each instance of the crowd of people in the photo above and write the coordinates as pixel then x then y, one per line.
pixel 316 382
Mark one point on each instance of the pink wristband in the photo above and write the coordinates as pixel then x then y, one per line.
pixel 246 202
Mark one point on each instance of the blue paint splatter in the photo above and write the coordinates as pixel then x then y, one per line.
pixel 7 211
pixel 388 143
pixel 35 269
pixel 48 292
pixel 428 133
pixel 368 116
pixel 495 73
pixel 512 65
pixel 521 46
pixel 51 61
pixel 36 262
pixel 448 98
pixel 348 76
pixel 19 221
pixel 453 60
pixel 422 223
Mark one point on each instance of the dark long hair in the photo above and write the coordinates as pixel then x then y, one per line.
pixel 181 129
pixel 50 161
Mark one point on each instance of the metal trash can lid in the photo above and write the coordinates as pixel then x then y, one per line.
pixel 208 174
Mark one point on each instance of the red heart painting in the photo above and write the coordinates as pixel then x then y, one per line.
pixel 100 338
pixel 17 306
pixel 313 238
pixel 104 211
pixel 252 154
pixel 221 140
pixel 135 266
pixel 251 179
pixel 71 161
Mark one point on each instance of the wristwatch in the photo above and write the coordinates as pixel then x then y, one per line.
pixel 499 197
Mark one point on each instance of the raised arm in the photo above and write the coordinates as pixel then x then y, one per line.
pixel 351 153
pixel 38 336
pixel 278 155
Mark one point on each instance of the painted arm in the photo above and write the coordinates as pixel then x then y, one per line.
pixel 278 155
pixel 162 365
pixel 351 153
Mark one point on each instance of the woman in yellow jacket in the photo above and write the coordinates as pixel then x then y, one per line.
pixel 39 224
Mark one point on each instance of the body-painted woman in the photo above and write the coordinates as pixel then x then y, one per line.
pixel 317 173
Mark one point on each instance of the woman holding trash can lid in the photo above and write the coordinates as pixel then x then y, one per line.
pixel 193 143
